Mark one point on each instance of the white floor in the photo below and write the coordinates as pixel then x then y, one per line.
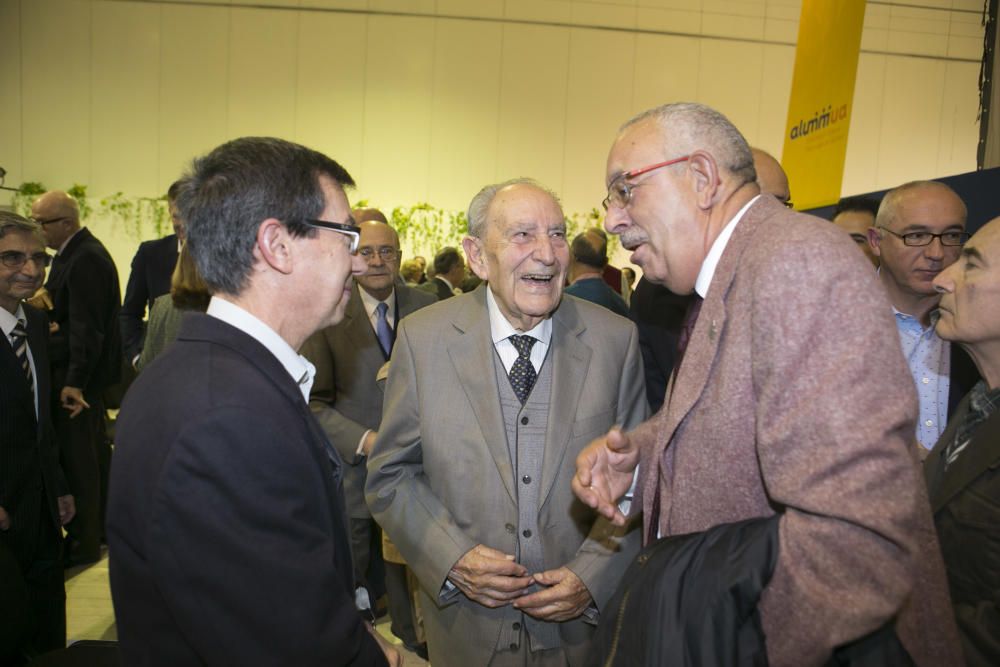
pixel 89 614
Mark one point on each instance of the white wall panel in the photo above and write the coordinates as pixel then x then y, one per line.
pixel 532 132
pixel 194 86
pixel 124 99
pixel 397 124
pixel 10 84
pixel 665 70
pixel 861 163
pixel 730 77
pixel 263 56
pixel 56 90
pixel 330 86
pixel 465 111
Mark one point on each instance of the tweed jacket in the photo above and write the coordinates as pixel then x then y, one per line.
pixel 441 481
pixel 794 398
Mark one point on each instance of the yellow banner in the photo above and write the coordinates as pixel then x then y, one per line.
pixel 819 109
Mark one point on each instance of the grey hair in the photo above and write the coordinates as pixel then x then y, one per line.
pixel 692 126
pixel 12 222
pixel 480 204
pixel 887 210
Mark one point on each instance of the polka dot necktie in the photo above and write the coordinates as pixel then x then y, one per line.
pixel 19 341
pixel 522 373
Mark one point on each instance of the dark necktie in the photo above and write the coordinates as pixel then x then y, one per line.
pixel 690 318
pixel 19 341
pixel 522 373
pixel 382 330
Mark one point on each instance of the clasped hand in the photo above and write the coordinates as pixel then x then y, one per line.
pixel 492 578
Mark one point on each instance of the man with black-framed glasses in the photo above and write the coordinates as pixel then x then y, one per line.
pixel 919 231
pixel 226 522
pixel 348 403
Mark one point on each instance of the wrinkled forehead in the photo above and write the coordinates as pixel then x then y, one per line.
pixel 524 205
pixel 377 234
pixel 931 208
pixel 21 240
pixel 635 146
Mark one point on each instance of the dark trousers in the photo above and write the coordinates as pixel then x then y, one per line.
pixel 400 604
pixel 85 455
pixel 366 553
pixel 33 597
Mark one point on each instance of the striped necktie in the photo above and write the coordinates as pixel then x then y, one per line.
pixel 19 341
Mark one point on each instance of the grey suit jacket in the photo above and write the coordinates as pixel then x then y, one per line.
pixel 440 479
pixel 793 397
pixel 344 397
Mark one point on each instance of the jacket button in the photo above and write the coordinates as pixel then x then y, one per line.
pixel 524 420
pixel 516 626
pixel 513 646
pixel 526 479
pixel 509 527
pixel 526 533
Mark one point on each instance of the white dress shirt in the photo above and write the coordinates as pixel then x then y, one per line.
pixel 501 330
pixel 8 321
pixel 371 305
pixel 299 368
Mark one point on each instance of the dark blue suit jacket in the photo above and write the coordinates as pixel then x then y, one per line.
pixel 226 522
pixel 152 267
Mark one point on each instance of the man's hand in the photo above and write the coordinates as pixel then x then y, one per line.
pixel 41 300
pixel 71 398
pixel 565 596
pixel 67 509
pixel 392 655
pixel 4 519
pixel 489 577
pixel 604 471
pixel 369 442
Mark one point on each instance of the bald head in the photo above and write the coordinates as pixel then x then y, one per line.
pixel 379 247
pixel 770 176
pixel 366 214
pixel 59 216
pixel 900 201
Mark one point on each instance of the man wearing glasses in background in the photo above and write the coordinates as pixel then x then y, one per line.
pixel 226 522
pixel 348 403
pixel 919 232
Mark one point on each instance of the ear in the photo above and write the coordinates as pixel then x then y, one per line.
pixel 274 247
pixel 475 255
pixel 875 241
pixel 705 173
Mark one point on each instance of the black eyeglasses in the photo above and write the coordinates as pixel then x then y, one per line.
pixel 13 259
pixel 49 221
pixel 386 253
pixel 620 192
pixel 924 238
pixel 347 229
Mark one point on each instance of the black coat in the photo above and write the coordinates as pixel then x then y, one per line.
pixel 658 313
pixel 152 267
pixel 965 500
pixel 86 350
pixel 226 525
pixel 30 476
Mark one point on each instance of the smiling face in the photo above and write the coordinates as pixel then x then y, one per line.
pixel 970 292
pixel 662 224
pixel 523 255
pixel 20 283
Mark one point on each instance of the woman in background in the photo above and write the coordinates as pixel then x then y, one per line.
pixel 187 292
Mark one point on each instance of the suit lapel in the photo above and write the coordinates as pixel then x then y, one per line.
pixel 570 359
pixel 979 455
pixel 357 325
pixel 471 355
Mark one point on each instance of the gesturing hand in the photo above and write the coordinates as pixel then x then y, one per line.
pixel 489 577
pixel 565 596
pixel 604 471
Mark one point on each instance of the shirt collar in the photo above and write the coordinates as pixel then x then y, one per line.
pixel 9 320
pixel 371 303
pixel 501 329
pixel 299 368
pixel 711 262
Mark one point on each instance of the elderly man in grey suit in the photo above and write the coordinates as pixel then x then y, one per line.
pixel 490 397
pixel 790 397
pixel 344 397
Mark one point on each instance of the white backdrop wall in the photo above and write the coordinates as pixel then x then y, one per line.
pixel 427 100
